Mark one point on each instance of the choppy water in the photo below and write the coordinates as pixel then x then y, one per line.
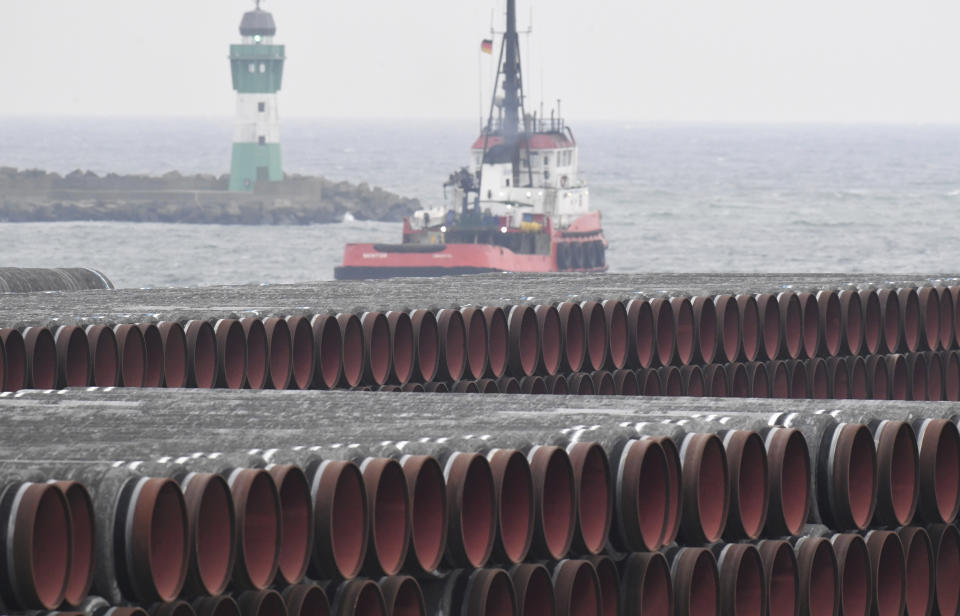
pixel 674 198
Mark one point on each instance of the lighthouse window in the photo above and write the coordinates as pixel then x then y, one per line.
pixel 263 67
pixel 252 67
pixel 261 140
pixel 261 107
pixel 546 161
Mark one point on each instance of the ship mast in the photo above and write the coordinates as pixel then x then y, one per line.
pixel 512 88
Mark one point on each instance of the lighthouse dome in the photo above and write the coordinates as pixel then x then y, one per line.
pixel 257 22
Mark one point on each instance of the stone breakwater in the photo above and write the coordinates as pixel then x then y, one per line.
pixel 39 196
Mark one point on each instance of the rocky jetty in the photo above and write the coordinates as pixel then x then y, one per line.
pixel 39 196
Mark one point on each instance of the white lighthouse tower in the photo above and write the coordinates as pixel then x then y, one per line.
pixel 257 67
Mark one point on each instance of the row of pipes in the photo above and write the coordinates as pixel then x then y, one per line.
pixel 161 495
pixel 374 349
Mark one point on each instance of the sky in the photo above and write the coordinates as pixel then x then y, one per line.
pixel 625 60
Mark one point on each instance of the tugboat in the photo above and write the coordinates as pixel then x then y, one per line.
pixel 521 205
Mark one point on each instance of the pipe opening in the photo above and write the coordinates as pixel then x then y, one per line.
pixel 453 339
pixel 791 314
pixel 889 575
pixel 934 378
pixel 477 514
pixel 873 323
pixel 429 505
pixel 348 517
pixel 258 520
pixel 749 326
pixel 515 503
pixel 609 579
pixel 644 338
pixel 593 506
pixel 427 336
pixel 811 324
pixel 705 314
pixel 783 582
pixel 210 507
pixel 15 366
pixel 280 353
pixel 749 585
pixel 702 591
pixel 910 305
pixel 167 532
pixel 902 475
pixel 822 581
pixel 947 481
pixel 729 318
pixel 651 493
pixel 692 381
pixel 255 336
pixel 534 591
pixel 233 353
pixel 203 357
pixel 683 325
pixel 918 570
pixel 497 341
pixel 83 531
pixel 296 511
pixel 596 323
pixel 859 389
pixel 656 588
pixel 390 530
pixel 74 354
pixel 739 385
pixel 352 351
pixel 752 486
pixel 574 341
pixel 616 321
pixel 306 600
pixel 104 355
pixel 476 342
pixel 378 350
pixel 712 489
pixel 262 603
pixel 664 330
pixel 860 490
pixel 831 322
pixel 550 338
pixel 41 565
pixel 948 571
pixel 779 380
pixel 132 355
pixel 406 599
pixel 855 578
pixel 302 360
pixel 557 510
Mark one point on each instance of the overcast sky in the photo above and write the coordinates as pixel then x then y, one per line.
pixel 634 60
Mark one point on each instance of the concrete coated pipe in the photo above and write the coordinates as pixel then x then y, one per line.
pixel 73 356
pixel 534 590
pixel 353 355
pixel 279 353
pixel 301 351
pixel 646 586
pixel 705 329
pixel 920 580
pixel 453 345
pixel 577 589
pixel 231 353
pixel 201 354
pixel 684 330
pixel 402 596
pixel 498 341
pixel 478 592
pixel 104 356
pixel 598 345
pixel 131 355
pixel 742 588
pixel 945 543
pixel 791 325
pixel 426 338
pixel 728 321
pixel 750 334
pixel 551 340
pixel 524 340
pixel 15 369
pixel 257 353
pixel 887 571
pixel 477 341
pixel 573 334
pixel 36 279
pixel 781 577
pixel 696 582
pixel 819 577
pixel 853 568
pixel 171 366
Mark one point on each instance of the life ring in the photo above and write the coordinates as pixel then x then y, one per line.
pixel 563 181
pixel 563 256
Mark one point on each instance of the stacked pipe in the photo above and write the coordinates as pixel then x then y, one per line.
pixel 849 342
pixel 492 504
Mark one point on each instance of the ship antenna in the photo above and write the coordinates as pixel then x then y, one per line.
pixel 258 4
pixel 511 73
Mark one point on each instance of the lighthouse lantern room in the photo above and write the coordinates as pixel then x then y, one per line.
pixel 257 68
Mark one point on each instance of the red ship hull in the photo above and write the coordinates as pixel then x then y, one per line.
pixel 584 238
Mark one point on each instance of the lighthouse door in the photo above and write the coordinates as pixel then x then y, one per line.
pixel 263 174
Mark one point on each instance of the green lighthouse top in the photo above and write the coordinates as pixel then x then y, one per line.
pixel 257 23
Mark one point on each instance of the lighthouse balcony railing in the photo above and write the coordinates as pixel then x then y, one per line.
pixel 257 52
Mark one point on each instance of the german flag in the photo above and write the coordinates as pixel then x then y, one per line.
pixel 486 46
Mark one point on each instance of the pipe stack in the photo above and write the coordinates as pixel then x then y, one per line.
pixel 857 340
pixel 287 500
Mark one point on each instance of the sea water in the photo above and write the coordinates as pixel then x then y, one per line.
pixel 674 197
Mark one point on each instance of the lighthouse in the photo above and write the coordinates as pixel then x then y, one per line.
pixel 257 68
